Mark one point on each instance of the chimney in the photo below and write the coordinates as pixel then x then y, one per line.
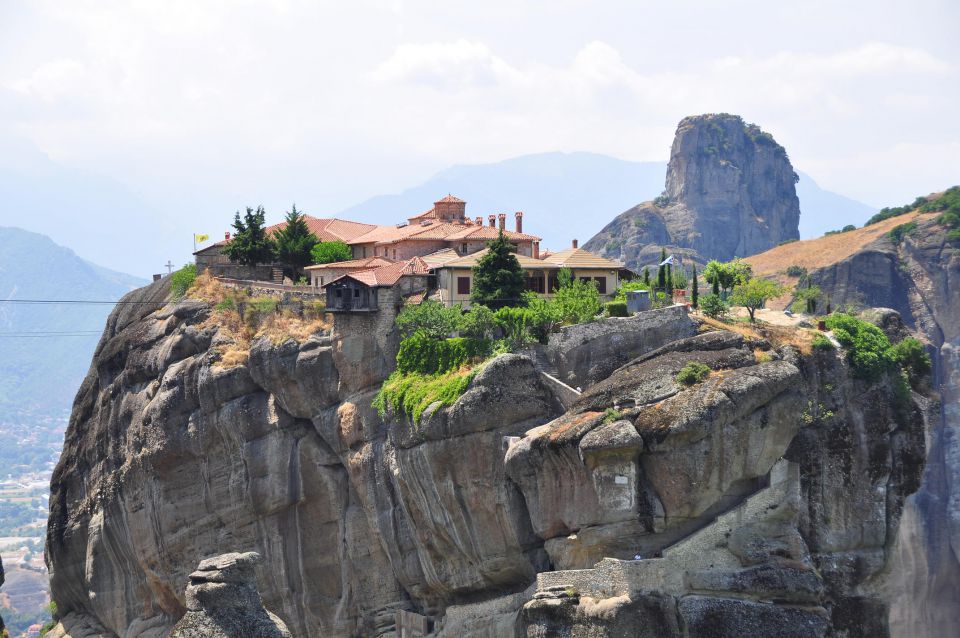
pixel 226 235
pixel 479 221
pixel 519 216
pixel 574 243
pixel 536 248
pixel 493 220
pixel 503 221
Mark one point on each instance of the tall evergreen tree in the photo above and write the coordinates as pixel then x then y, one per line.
pixel 646 276
pixel 694 290
pixel 669 277
pixel 250 244
pixel 662 271
pixel 295 242
pixel 498 279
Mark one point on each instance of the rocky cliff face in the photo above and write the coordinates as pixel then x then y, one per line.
pixel 766 497
pixel 920 278
pixel 730 191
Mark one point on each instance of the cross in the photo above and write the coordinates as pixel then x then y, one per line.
pixel 169 266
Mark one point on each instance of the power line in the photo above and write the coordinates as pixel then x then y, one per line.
pixel 80 301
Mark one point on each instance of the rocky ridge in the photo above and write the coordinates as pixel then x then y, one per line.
pixel 730 192
pixel 364 522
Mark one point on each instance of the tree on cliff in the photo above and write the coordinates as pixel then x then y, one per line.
pixel 498 279
pixel 754 294
pixel 250 244
pixel 326 252
pixel 295 242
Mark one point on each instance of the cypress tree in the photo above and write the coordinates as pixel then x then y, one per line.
pixel 694 291
pixel 646 276
pixel 669 280
pixel 295 242
pixel 498 279
pixel 250 244
pixel 662 271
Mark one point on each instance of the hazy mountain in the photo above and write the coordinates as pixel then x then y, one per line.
pixel 573 195
pixel 84 211
pixel 45 349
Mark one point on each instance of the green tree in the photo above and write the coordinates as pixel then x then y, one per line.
pixel 694 290
pixel 754 293
pixel 806 298
pixel 250 244
pixel 578 301
pixel 646 276
pixel 713 306
pixel 479 322
pixel 662 271
pixel 430 318
pixel 327 252
pixel 498 279
pixel 669 278
pixel 295 242
pixel 724 276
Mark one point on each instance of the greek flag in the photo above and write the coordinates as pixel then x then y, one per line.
pixel 668 260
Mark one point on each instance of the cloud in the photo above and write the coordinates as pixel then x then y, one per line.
pixel 446 65
pixel 53 80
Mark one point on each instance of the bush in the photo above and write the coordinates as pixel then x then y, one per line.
pixel 913 358
pixel 412 393
pixel 868 348
pixel 612 414
pixel 616 309
pixel 692 373
pixel 543 317
pixel 713 306
pixel 578 301
pixel 327 252
pixel 422 354
pixel 257 308
pixel 796 271
pixel 181 280
pixel 820 342
pixel 516 326
pixel 479 322
pixel 897 233
pixel 629 286
pixel 431 318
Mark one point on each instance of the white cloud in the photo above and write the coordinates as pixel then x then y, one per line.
pixel 53 80
pixel 445 65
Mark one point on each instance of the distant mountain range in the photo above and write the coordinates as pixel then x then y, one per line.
pixel 567 196
pixel 46 348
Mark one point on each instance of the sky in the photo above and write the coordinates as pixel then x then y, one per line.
pixel 200 107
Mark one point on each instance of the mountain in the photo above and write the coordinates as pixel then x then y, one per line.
pixel 822 210
pixel 729 191
pixel 47 347
pixel 82 210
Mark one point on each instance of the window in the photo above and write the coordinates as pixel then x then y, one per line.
pixel 553 283
pixel 394 254
pixel 535 283
pixel 463 249
pixel 339 293
pixel 601 284
pixel 356 293
pixel 363 252
pixel 463 285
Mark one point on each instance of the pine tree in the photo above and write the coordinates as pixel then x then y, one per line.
pixel 646 276
pixel 498 279
pixel 250 244
pixel 694 290
pixel 295 242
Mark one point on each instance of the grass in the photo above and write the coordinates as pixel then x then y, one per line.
pixel 411 393
pixel 692 373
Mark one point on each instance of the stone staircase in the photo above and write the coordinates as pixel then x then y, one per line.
pixel 703 549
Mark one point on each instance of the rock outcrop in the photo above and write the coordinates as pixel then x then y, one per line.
pixel 3 629
pixel 730 192
pixel 454 520
pixel 223 601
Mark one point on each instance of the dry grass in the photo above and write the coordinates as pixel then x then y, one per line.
pixel 825 251
pixel 800 338
pixel 207 288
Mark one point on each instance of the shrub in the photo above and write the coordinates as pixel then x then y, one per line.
pixel 543 317
pixel 820 342
pixel 897 233
pixel 412 393
pixel 516 326
pixel 611 414
pixel 692 373
pixel 479 322
pixel 629 286
pixel 257 308
pixel 868 348
pixel 422 354
pixel 432 318
pixel 616 309
pixel 181 280
pixel 327 252
pixel 578 301
pixel 796 271
pixel 713 306
pixel 913 358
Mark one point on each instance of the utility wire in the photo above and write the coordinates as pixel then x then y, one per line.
pixel 80 301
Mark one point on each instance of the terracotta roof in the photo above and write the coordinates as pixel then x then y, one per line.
pixel 469 261
pixel 441 257
pixel 389 274
pixel 329 229
pixel 355 264
pixel 580 258
pixel 450 198
pixel 488 232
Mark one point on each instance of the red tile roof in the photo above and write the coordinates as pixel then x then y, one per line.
pixel 390 274
pixel 329 229
pixel 356 264
pixel 450 198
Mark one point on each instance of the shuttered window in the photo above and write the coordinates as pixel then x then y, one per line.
pixel 463 285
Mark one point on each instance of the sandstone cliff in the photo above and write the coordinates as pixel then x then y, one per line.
pixel 918 277
pixel 730 192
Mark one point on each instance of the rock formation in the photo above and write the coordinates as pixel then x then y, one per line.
pixel 730 192
pixel 469 519
pixel 3 630
pixel 223 601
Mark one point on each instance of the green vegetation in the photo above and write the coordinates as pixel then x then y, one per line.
pixel 897 233
pixel 796 271
pixel 498 279
pixel 661 200
pixel 692 373
pixel 611 414
pixel 327 252
pixel 913 358
pixel 806 298
pixel 868 348
pixel 616 309
pixel 713 306
pixel 294 243
pixel 431 318
pixel 424 355
pixel 724 276
pixel 516 326
pixel 412 393
pixel 694 289
pixel 630 286
pixel 181 280
pixel 577 301
pixel 754 293
pixel 250 244
pixel 845 229
pixel 479 323
pixel 821 342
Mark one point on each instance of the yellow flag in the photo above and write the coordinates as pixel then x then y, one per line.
pixel 200 238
